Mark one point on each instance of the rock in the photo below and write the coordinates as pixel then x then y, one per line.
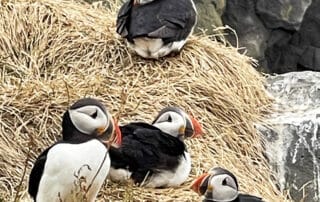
pixel 281 56
pixel 209 14
pixel 308 38
pixel 241 16
pixel 287 14
pixel 293 138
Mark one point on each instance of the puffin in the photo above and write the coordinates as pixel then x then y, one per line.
pixel 154 155
pixel 156 28
pixel 220 185
pixel 79 162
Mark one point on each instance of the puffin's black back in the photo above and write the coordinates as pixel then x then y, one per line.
pixel 36 173
pixel 249 198
pixel 176 17
pixel 144 149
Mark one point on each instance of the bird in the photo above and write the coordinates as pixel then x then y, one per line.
pixel 156 28
pixel 219 184
pixel 154 155
pixel 79 162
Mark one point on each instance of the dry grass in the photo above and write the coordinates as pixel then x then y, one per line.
pixel 54 52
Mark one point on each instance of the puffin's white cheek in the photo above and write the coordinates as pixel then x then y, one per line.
pixel 83 122
pixel 227 194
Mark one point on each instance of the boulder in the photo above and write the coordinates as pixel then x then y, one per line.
pixel 242 17
pixel 282 56
pixel 293 137
pixel 308 38
pixel 209 14
pixel 287 14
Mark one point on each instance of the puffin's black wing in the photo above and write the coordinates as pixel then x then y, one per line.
pixel 166 19
pixel 123 18
pixel 36 173
pixel 145 148
pixel 249 198
pixel 146 134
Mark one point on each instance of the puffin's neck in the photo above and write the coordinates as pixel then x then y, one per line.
pixel 75 136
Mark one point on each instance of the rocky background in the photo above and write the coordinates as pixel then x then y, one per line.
pixel 284 36
pixel 293 144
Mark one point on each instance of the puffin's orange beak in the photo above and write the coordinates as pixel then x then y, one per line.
pixel 195 186
pixel 118 136
pixel 197 128
pixel 100 130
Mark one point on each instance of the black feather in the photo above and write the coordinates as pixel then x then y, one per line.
pixel 36 173
pixel 166 19
pixel 144 149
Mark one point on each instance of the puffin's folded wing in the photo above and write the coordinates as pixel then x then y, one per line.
pixel 172 26
pixel 36 173
pixel 122 19
pixel 161 141
pixel 249 198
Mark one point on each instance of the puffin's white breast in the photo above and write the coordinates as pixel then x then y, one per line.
pixel 69 164
pixel 172 178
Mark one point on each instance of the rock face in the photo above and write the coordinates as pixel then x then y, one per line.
pixel 251 33
pixel 282 14
pixel 284 35
pixel 293 138
pixel 209 14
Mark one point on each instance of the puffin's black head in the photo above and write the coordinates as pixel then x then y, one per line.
pixel 177 122
pixel 218 184
pixel 89 117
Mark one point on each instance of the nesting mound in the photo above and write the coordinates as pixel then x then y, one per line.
pixel 55 52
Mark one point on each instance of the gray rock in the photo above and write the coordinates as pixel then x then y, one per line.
pixel 280 54
pixel 287 14
pixel 293 144
pixel 241 16
pixel 308 38
pixel 209 14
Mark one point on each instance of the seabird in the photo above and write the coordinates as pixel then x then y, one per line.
pixel 220 185
pixel 79 163
pixel 155 155
pixel 155 28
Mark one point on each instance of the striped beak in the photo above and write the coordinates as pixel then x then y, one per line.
pixel 199 185
pixel 196 127
pixel 117 140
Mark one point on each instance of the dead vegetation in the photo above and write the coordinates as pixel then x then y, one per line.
pixel 54 52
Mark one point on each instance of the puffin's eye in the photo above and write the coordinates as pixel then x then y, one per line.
pixel 169 119
pixel 224 182
pixel 95 114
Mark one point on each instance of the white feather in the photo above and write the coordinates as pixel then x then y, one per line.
pixel 119 175
pixel 222 192
pixel 173 178
pixel 154 48
pixel 82 120
pixel 173 127
pixel 64 161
